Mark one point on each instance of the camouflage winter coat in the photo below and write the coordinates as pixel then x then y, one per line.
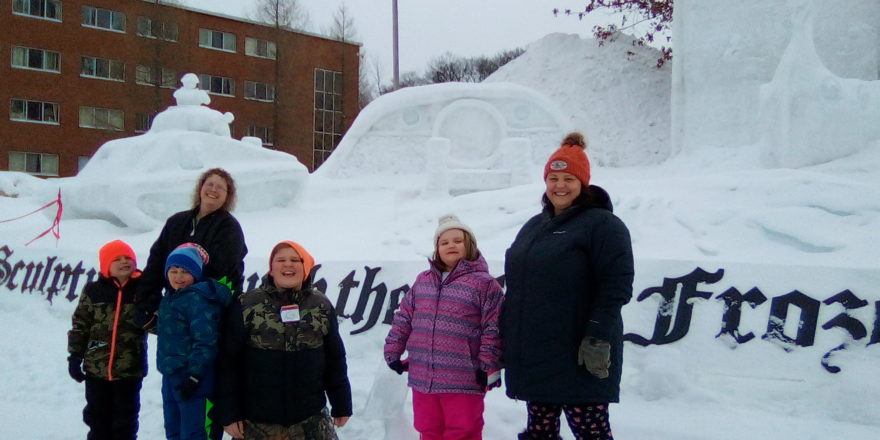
pixel 104 334
pixel 281 373
pixel 189 328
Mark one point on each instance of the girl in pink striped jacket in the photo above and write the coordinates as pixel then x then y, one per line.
pixel 448 324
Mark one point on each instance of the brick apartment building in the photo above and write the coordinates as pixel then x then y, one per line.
pixel 82 72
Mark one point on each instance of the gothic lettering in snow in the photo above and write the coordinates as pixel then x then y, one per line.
pixel 792 319
pixel 677 297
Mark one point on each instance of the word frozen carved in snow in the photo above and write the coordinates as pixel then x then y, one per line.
pixel 678 295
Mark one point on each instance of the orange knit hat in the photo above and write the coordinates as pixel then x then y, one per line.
pixel 308 260
pixel 112 250
pixel 570 158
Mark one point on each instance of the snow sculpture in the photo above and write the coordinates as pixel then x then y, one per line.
pixel 139 181
pixel 190 113
pixel 719 70
pixel 459 137
pixel 810 115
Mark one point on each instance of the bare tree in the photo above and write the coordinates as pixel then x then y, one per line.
pixel 647 19
pixel 448 68
pixel 282 15
pixel 344 29
pixel 161 26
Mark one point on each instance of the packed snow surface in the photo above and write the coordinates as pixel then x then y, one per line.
pixel 716 230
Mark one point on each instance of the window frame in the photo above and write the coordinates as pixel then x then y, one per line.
pixel 94 21
pixel 27 57
pixel 56 3
pixel 252 88
pixel 211 78
pixel 208 43
pixel 111 113
pixel 268 137
pixel 139 118
pixel 139 69
pixel 39 156
pixel 328 125
pixel 120 68
pixel 26 111
pixel 162 26
pixel 252 46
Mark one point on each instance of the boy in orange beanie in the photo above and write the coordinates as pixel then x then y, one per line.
pixel 107 350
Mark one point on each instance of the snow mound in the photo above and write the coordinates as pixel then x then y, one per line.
pixel 620 102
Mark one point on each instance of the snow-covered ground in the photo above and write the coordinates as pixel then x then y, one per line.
pixel 748 275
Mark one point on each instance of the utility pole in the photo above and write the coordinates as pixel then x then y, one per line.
pixel 396 66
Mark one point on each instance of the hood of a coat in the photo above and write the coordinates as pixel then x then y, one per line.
pixel 213 291
pixel 599 198
pixel 463 267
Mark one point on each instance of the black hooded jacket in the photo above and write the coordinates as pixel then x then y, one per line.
pixel 568 276
pixel 219 233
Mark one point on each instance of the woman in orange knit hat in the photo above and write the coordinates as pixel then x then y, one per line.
pixel 569 272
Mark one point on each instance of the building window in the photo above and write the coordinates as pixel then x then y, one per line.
pixel 34 163
pixel 81 162
pixel 169 78
pixel 25 110
pixel 259 91
pixel 103 68
pixel 101 118
pixel 149 28
pixel 217 40
pixel 259 48
pixel 36 59
pixel 217 85
pixel 146 75
pixel 48 9
pixel 264 133
pixel 328 114
pixel 142 122
pixel 103 19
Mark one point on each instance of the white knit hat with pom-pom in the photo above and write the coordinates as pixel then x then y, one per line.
pixel 450 221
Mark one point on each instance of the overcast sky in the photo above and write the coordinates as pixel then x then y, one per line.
pixel 429 28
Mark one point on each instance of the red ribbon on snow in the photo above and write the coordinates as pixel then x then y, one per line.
pixel 55 229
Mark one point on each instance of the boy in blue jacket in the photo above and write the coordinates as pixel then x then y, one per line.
pixel 188 330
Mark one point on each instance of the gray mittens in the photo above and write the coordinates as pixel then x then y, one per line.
pixel 595 355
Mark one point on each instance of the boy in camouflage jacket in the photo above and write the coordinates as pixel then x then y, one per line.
pixel 282 358
pixel 107 350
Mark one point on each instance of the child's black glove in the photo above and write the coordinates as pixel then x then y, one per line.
pixel 74 368
pixel 488 380
pixel 399 366
pixel 188 387
pixel 595 355
pixel 146 321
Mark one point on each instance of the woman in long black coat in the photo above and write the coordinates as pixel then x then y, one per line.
pixel 569 272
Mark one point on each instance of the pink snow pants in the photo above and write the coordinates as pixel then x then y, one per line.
pixel 448 416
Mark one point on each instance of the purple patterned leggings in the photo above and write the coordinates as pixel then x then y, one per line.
pixel 587 422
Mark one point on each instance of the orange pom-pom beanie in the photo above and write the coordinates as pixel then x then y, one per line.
pixel 570 158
